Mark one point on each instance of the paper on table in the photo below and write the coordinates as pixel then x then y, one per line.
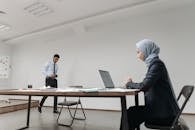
pixel 121 90
pixel 88 90
pixel 26 89
pixel 67 90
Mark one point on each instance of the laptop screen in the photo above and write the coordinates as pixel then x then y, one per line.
pixel 107 80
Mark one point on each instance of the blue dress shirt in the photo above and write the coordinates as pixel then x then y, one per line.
pixel 48 69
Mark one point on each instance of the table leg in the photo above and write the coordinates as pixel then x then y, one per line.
pixel 28 115
pixel 124 121
pixel 137 104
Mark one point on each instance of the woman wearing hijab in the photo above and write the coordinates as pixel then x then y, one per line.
pixel 160 103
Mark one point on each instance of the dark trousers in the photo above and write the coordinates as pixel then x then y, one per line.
pixel 139 114
pixel 53 83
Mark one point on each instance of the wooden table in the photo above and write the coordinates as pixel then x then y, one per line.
pixel 75 93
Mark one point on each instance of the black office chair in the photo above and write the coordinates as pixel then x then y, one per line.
pixel 68 104
pixel 178 122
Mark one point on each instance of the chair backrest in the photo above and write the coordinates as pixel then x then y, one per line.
pixel 76 86
pixel 186 92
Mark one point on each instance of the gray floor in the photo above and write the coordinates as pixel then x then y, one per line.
pixel 96 120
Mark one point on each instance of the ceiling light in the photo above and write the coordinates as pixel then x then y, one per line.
pixel 38 9
pixel 4 27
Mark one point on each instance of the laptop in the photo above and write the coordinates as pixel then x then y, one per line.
pixel 106 78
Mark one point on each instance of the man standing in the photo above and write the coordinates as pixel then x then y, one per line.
pixel 50 71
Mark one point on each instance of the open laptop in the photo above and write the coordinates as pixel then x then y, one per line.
pixel 106 78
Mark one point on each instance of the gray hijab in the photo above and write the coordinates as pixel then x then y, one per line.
pixel 149 49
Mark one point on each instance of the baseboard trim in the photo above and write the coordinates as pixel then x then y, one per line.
pixel 189 114
pixel 192 114
pixel 90 109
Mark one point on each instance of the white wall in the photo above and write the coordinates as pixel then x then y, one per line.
pixel 110 47
pixel 5 50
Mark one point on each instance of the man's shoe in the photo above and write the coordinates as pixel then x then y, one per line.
pixel 39 109
pixel 56 111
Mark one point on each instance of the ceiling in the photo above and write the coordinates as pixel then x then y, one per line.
pixel 26 17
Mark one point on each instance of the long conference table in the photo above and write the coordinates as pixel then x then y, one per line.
pixel 117 93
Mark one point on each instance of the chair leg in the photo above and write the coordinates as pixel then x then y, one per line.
pixel 71 112
pixel 76 111
pixel 73 116
pixel 60 113
pixel 61 124
pixel 83 112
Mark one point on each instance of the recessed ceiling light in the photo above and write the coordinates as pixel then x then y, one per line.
pixel 38 9
pixel 4 27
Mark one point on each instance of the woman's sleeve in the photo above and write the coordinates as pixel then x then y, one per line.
pixel 153 74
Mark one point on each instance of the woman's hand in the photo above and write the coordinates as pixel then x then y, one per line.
pixel 129 79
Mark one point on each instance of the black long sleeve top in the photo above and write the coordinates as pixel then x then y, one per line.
pixel 159 96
